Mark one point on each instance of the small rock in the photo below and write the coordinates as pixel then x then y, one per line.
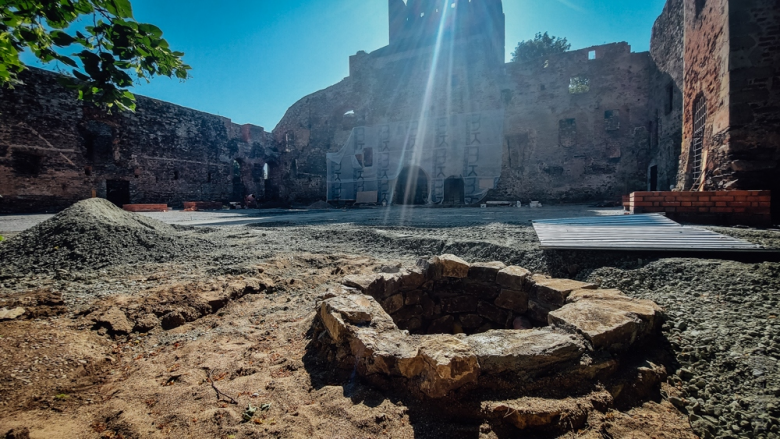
pixel 11 314
pixel 146 323
pixel 116 320
pixel 18 433
pixel 173 320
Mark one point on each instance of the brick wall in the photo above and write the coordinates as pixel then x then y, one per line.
pixel 720 208
pixel 56 150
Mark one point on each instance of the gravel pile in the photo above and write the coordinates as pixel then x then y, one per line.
pixel 93 234
pixel 725 333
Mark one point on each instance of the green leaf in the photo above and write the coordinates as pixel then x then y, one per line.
pixel 150 29
pixel 62 39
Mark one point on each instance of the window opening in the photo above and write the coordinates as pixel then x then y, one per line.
pixel 579 85
pixel 669 98
pixel 368 157
pixel 592 55
pixel 265 171
pixel 25 163
pixel 176 175
pixel 568 132
pixel 612 120
pixel 653 178
pixel 699 123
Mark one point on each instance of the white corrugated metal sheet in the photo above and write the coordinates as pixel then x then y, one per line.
pixel 651 232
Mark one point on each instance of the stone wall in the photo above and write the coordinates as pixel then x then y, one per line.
pixel 752 160
pixel 572 142
pixel 55 151
pixel 706 77
pixel 605 155
pixel 666 49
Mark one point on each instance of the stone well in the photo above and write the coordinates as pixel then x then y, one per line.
pixel 447 326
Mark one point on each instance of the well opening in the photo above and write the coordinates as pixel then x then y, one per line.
pixel 456 298
pixel 448 325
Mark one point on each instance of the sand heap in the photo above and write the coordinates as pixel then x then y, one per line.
pixel 94 234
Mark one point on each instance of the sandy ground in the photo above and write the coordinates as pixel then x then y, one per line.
pixel 63 375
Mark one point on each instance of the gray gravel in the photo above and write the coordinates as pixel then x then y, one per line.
pixel 723 327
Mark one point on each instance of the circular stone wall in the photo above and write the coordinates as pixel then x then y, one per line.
pixel 447 326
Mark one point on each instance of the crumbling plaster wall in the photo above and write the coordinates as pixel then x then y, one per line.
pixel 707 75
pixel 604 154
pixel 55 151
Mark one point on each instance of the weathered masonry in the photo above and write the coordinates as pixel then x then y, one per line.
pixel 731 114
pixel 579 126
pixel 438 117
pixel 55 151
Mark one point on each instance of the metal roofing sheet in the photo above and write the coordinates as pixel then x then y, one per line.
pixel 652 232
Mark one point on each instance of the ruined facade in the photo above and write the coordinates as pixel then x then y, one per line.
pixel 578 126
pixel 55 150
pixel 731 114
pixel 438 117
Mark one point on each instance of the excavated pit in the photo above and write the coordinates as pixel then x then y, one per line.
pixel 447 329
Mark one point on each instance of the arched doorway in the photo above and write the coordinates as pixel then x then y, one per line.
pixel 454 191
pixel 412 187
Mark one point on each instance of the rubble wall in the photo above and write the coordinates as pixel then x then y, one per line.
pixel 752 160
pixel 55 151
pixel 706 76
pixel 569 142
pixel 666 49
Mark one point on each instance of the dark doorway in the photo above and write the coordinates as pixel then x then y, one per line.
pixel 118 192
pixel 653 178
pixel 454 191
pixel 412 187
pixel 238 182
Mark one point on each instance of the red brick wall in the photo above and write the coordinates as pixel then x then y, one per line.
pixel 721 208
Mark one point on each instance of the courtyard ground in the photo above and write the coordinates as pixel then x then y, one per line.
pixel 66 370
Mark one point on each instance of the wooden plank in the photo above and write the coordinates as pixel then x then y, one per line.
pixel 633 232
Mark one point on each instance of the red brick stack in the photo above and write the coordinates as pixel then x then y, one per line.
pixel 718 208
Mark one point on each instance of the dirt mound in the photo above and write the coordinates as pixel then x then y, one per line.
pixel 93 234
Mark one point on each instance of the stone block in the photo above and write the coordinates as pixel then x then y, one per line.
pixel 524 351
pixel 513 277
pixel 555 291
pixel 485 271
pixel 449 364
pixel 538 311
pixel 393 303
pixel 484 291
pixel 450 266
pixel 514 300
pixel 339 312
pixel 413 297
pixel 413 279
pixel 442 325
pixel 605 327
pixel 429 308
pixel 459 304
pixel 470 321
pixel 392 353
pixel 578 295
pixel 494 313
pixel 408 312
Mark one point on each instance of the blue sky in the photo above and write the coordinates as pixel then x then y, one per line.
pixel 252 59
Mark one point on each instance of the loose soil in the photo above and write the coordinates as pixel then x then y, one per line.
pixel 63 374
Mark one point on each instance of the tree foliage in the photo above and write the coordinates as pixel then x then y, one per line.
pixel 542 45
pixel 110 49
